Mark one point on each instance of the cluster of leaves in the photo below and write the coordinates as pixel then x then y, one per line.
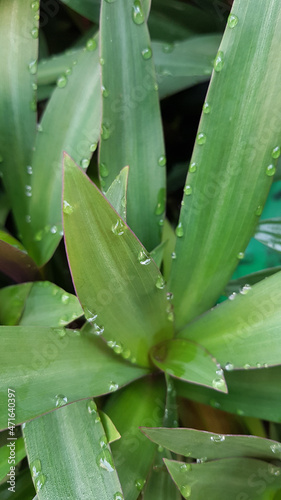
pixel 133 334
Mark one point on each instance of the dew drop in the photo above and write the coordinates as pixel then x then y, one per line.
pixel 162 161
pixel 206 108
pixel 160 449
pixel 33 67
pixel 61 81
pixel 68 71
pixel 105 132
pixel 93 147
pixel 36 467
pixel 39 235
pixel 103 170
pixel 34 32
pixel 232 21
pixel 103 442
pixel 65 298
pixel 245 289
pixel 137 13
pixel 187 190
pixel 229 367
pixel 179 230
pixel 29 170
pixel 118 496
pixel 201 138
pixel 119 228
pixel 240 255
pixel 232 296
pixel 60 400
pixel 247 366
pixel 173 255
pixel 35 6
pixel 161 222
pixel 113 387
pixel 240 413
pixel 126 353
pixel 143 258
pixel 161 202
pixel 274 471
pixel 219 61
pixel 185 490
pixel 259 210
pixel 85 163
pixel 91 407
pixel 192 167
pixel 276 448
pixel 217 438
pixel 104 91
pixel 118 347
pixel 270 170
pixel 104 461
pixel 89 315
pixel 91 45
pixel 167 48
pixel 67 208
pixel 218 383
pixel 102 61
pixel 146 53
pixel 39 127
pixel 33 104
pixel 139 484
pixel 28 219
pixel 97 330
pixel 39 482
pixel 160 282
pixel 276 152
pixel 28 191
pixel 185 467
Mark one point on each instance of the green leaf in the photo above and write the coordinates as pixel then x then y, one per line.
pixel 268 232
pixel 71 123
pixel 231 167
pixel 117 193
pixel 243 332
pixel 198 444
pixel 189 361
pixel 158 253
pixel 51 68
pixel 87 8
pixel 114 276
pixel 254 393
pixel 111 432
pixel 133 453
pixel 19 46
pixel 236 286
pixel 241 478
pixel 49 305
pixel 14 260
pixel 159 483
pixel 52 366
pixel 7 453
pixel 131 124
pixel 12 302
pixel 64 442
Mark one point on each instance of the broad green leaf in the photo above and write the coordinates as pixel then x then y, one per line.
pixel 268 232
pixel 7 457
pixel 141 402
pixel 24 489
pixel 198 444
pixel 111 432
pixel 241 478
pixel 49 305
pixel 236 286
pixel 253 393
pixel 68 454
pixel 114 276
pixel 19 46
pixel 131 122
pixel 243 332
pixel 71 123
pixel 14 260
pixel 188 361
pixel 117 193
pixel 53 366
pixel 232 167
pixel 12 302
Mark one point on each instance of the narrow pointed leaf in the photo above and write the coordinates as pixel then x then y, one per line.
pixel 63 442
pixel 71 123
pixel 188 361
pixel 242 478
pixel 117 193
pixel 111 432
pixel 14 260
pixel 231 167
pixel 19 46
pixel 12 302
pixel 128 410
pixel 5 456
pixel 198 444
pixel 131 123
pixel 244 332
pixel 268 232
pixel 159 483
pixel 52 366
pixel 157 253
pixel 112 272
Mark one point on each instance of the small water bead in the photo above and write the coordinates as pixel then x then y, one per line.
pixel 34 32
pixel 39 235
pixel 217 438
pixel 276 448
pixel 118 496
pixel 240 413
pixel 187 190
pixel 89 315
pixel 270 170
pixel 162 160
pixel 201 460
pixel 28 191
pixel 28 219
pixel 232 21
pixel 206 108
pixel 185 467
pixel 35 6
pixel 105 132
pixel 93 147
pixel 161 222
pixel 240 255
pixel 103 170
pixel 146 53
pixel 137 13
pixel 92 407
pixel 97 329
pixel 113 387
pixel 229 367
pixel 118 348
pixel 60 400
pixel 276 152
pixel 104 91
pixel 143 258
pixel 245 289
pixel 67 208
pixel 36 17
pixel 103 441
pixel 219 384
pixel 97 419
pixel 33 67
pixel 156 87
pixel 119 228
pixel 85 163
pixel 126 354
pixel 167 48
pixel 33 104
pixel 274 471
pixel 65 298
pixel 29 170
pixel 247 366
pixel 259 210
pixel 39 127
pixel 179 230
pixel 36 467
pixel 139 484
pixel 39 482
pixel 201 138
pixel 215 404
pixel 34 86
pixel 232 296
pixel 173 255
pixel 160 449
pixel 68 71
pixel 91 45
pixel 161 202
pixel 192 167
pixel 102 61
pixel 61 81
pixel 104 461
pixel 185 490
pixel 160 282
pixel 219 61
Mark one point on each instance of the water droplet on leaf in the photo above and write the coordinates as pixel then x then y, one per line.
pixel 143 258
pixel 91 45
pixel 276 152
pixel 60 400
pixel 206 108
pixel 104 460
pixel 160 282
pixel 179 230
pixel 219 61
pixel 61 81
pixel 119 228
pixel 146 53
pixel 232 21
pixel 139 484
pixel 270 170
pixel 67 208
pixel 201 138
pixel 138 14
pixel 217 438
pixel 185 490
